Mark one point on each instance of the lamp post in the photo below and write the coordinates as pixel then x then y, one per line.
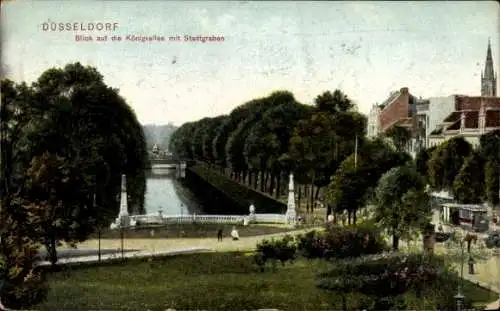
pixel 121 242
pixel 459 297
pixel 98 227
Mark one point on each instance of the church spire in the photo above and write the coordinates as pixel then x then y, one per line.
pixel 488 66
pixel 488 77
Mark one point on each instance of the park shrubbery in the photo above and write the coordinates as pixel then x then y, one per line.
pixel 342 242
pixel 334 242
pixel 395 281
pixel 274 250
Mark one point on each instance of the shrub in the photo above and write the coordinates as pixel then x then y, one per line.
pixel 273 250
pixel 396 281
pixel 342 242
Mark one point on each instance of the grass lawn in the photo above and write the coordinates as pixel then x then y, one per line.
pixel 211 281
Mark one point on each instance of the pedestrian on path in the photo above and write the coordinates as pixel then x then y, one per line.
pixel 234 234
pixel 219 235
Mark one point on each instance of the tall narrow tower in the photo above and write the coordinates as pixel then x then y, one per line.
pixel 488 77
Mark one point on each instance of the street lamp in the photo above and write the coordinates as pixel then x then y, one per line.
pixel 459 297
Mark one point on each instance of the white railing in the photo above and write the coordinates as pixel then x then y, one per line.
pixel 260 218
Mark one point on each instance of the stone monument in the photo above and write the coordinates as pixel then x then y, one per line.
pixel 123 219
pixel 291 214
pixel 251 209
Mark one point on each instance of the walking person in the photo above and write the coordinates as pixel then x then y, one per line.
pixel 234 234
pixel 219 235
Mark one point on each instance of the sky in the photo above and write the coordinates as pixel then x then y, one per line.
pixel 365 49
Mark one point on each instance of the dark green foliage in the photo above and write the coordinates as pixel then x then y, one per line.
pixel 281 249
pixel 400 137
pixel 490 151
pixel 352 181
pixel 421 161
pixel 492 181
pixel 446 162
pixel 66 141
pixel 339 242
pixel 468 187
pixel 260 142
pixel 396 282
pixel 402 204
pixel 208 136
pixel 21 284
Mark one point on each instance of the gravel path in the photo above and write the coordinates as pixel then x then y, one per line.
pixel 153 245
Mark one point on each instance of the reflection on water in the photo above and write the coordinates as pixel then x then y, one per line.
pixel 166 192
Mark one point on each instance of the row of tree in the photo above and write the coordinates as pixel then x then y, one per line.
pixel 260 142
pixel 66 140
pixel 471 175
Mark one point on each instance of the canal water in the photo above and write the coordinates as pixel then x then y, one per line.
pixel 185 196
pixel 166 192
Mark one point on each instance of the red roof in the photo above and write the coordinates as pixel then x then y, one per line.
pixel 474 102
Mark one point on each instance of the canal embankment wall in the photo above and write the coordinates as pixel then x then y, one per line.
pixel 241 195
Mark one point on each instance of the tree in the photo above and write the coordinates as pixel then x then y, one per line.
pixel 468 187
pixel 400 136
pixel 180 143
pixel 333 102
pixel 402 202
pixel 421 162
pixel 268 141
pixel 236 141
pixel 65 204
pixel 492 182
pixel 490 151
pixel 81 136
pixel 21 284
pixel 209 136
pixel 351 184
pixel 322 141
pixel 446 162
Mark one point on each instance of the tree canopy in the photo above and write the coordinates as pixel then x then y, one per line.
pixel 66 141
pixel 261 141
pixel 402 203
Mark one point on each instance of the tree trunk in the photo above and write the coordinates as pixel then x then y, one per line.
pixel 271 184
pixel 299 196
pixel 349 215
pixel 266 182
pixel 262 180
pixel 255 176
pixel 354 217
pixel 278 185
pixel 311 202
pixel 344 302
pixel 244 174
pixel 316 195
pixel 312 194
pixel 51 250
pixel 395 242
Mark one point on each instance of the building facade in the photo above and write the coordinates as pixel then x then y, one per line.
pixel 472 117
pixel 399 109
pixel 468 116
pixel 434 120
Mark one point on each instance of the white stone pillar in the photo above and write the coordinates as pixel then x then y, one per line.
pixel 123 215
pixel 291 214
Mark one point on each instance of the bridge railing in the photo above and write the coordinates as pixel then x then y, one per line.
pixel 234 219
